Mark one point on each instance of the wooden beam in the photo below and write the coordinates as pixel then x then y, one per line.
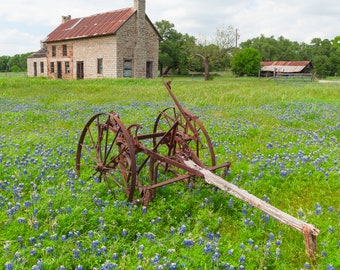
pixel 309 231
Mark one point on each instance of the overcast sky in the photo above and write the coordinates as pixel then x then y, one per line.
pixel 23 23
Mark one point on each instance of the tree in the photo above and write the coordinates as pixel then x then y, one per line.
pixel 246 62
pixel 174 48
pixel 216 53
pixel 4 63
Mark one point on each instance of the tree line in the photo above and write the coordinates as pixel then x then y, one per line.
pixel 16 63
pixel 182 54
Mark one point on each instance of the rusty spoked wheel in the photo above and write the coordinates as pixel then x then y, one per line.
pixel 193 135
pixel 106 153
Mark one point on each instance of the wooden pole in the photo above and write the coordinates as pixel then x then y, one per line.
pixel 309 231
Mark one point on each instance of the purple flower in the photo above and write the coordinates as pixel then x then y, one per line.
pixel 182 229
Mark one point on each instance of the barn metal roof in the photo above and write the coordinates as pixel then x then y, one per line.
pixel 91 26
pixel 284 66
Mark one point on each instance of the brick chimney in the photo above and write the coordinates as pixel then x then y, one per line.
pixel 64 19
pixel 140 49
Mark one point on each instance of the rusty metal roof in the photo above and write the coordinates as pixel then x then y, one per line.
pixel 284 66
pixel 91 26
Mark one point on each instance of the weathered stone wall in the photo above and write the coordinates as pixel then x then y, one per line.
pixel 60 60
pixel 90 50
pixel 38 61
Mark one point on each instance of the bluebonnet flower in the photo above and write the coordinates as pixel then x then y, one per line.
pixel 307 265
pixel 242 259
pixel 318 209
pixel 182 229
pixel 114 256
pixel 140 255
pixel 8 266
pixel 188 242
pixel 62 267
pixel 144 209
pixel 173 265
pixel 76 253
pixel 331 229
pixel 155 259
pixel 33 252
pixel 124 232
pixel 94 244
pixel 330 267
pixel 22 220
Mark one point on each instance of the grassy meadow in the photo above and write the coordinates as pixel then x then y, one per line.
pixel 282 139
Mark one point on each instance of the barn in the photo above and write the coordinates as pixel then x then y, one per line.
pixel 115 44
pixel 285 68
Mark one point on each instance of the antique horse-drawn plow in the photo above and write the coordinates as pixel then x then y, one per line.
pixel 118 154
pixel 178 149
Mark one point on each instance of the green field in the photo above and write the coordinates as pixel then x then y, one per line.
pixel 282 140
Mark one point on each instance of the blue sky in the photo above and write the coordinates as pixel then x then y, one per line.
pixel 24 23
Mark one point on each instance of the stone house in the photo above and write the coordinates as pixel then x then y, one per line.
pixel 115 44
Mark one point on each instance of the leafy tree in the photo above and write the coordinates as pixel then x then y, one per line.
pixel 216 54
pixel 174 49
pixel 4 63
pixel 246 62
pixel 19 60
pixel 321 65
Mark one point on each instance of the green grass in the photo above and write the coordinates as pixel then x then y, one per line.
pixel 282 140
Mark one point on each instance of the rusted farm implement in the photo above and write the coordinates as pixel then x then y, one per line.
pixel 178 149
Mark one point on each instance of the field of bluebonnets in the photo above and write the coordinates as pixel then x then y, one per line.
pixel 282 140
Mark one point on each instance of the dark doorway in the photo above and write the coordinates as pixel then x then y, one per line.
pixel 80 70
pixel 35 69
pixel 59 70
pixel 148 69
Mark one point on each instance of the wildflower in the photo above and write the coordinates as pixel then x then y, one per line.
pixel 331 229
pixel 144 209
pixel 33 252
pixel 21 220
pixel 242 259
pixel 95 244
pixel 114 256
pixel 188 242
pixel 8 266
pixel 124 232
pixel 182 229
pixel 307 265
pixel 140 255
pixel 76 253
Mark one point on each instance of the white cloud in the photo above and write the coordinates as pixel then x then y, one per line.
pixel 296 20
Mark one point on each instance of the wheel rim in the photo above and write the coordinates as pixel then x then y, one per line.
pixel 198 139
pixel 106 152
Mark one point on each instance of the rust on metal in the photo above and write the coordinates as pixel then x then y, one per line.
pixel 138 163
